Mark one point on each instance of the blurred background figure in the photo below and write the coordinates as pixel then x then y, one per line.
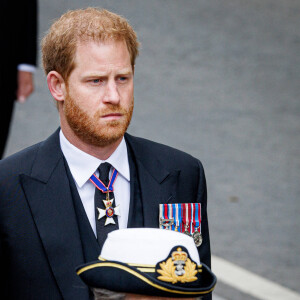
pixel 19 48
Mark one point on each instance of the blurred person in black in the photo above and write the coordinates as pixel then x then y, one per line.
pixel 19 50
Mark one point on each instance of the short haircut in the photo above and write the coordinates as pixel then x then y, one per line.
pixel 60 43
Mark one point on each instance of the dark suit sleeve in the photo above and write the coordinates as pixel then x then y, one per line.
pixel 3 259
pixel 204 250
pixel 27 25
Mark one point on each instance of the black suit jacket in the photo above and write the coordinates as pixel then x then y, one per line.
pixel 39 237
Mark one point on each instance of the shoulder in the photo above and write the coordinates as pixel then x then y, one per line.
pixel 39 154
pixel 145 148
pixel 20 162
pixel 10 170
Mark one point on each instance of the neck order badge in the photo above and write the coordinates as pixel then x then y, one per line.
pixel 182 217
pixel 109 210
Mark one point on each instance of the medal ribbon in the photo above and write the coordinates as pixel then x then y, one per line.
pixel 189 220
pixel 180 217
pixel 165 211
pixel 101 186
pixel 177 215
pixel 170 211
pixel 192 228
pixel 186 215
pixel 198 216
pixel 183 207
pixel 161 213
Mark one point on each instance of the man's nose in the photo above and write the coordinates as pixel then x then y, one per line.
pixel 111 93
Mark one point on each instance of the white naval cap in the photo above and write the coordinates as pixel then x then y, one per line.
pixel 145 245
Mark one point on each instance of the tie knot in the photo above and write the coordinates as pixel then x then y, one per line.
pixel 104 172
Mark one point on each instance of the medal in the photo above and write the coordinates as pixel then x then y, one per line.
pixel 182 217
pixel 109 210
pixel 186 231
pixel 197 223
pixel 178 218
pixel 171 214
pixel 186 218
pixel 166 220
pixel 167 223
pixel 197 238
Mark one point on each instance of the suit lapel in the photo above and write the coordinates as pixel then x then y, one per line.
pixel 48 194
pixel 158 185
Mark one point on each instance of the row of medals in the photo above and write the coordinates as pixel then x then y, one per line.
pixel 197 236
pixel 109 211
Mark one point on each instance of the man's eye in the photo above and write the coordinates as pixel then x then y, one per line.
pixel 122 78
pixel 95 81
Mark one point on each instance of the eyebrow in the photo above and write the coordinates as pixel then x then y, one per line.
pixel 104 74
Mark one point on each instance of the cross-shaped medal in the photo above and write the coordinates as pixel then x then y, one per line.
pixel 109 210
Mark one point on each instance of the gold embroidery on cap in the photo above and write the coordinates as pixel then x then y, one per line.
pixel 178 268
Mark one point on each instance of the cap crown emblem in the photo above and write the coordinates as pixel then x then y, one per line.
pixel 179 255
pixel 177 268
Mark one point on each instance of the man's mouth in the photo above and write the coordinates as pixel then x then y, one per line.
pixel 112 116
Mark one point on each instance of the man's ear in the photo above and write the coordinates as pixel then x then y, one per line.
pixel 56 85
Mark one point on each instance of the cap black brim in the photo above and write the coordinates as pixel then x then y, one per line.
pixel 105 274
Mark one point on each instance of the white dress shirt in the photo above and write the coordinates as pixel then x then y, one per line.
pixel 83 165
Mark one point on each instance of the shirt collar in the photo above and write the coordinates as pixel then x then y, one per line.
pixel 83 165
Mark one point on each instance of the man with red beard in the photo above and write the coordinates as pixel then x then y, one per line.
pixel 61 197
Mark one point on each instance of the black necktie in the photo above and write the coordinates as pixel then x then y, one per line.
pixel 101 229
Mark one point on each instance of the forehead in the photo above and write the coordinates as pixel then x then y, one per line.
pixel 110 52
